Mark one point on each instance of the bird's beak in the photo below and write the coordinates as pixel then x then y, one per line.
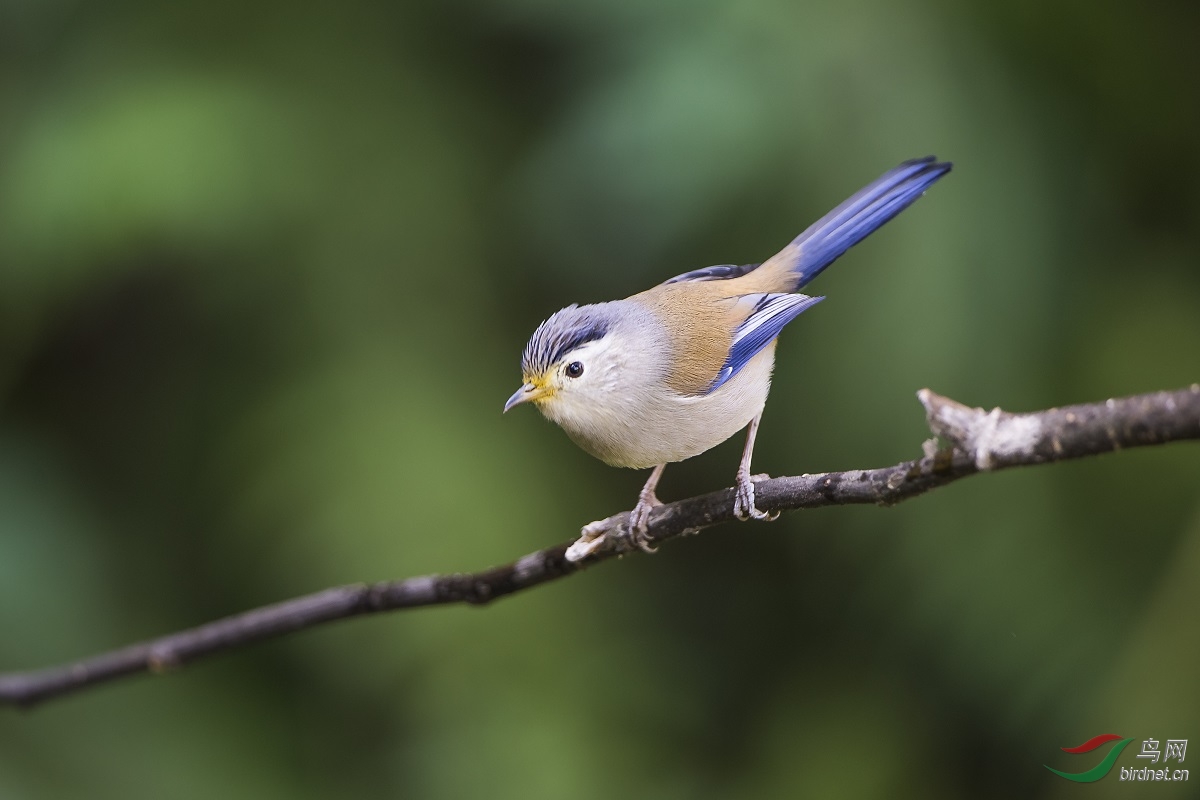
pixel 525 394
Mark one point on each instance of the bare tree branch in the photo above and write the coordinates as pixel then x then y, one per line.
pixel 978 441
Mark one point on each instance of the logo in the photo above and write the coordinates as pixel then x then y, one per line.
pixel 1175 748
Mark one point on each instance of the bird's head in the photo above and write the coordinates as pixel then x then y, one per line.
pixel 576 359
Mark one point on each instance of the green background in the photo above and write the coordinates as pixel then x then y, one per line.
pixel 266 271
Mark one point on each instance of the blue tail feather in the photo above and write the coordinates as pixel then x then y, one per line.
pixel 852 221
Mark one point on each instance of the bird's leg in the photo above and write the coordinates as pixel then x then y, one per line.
pixel 743 501
pixel 639 518
pixel 592 536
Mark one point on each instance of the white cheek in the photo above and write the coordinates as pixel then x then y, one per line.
pixel 603 368
pixel 606 377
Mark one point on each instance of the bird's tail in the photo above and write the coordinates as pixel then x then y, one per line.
pixel 847 225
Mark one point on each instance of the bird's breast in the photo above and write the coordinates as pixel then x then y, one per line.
pixel 652 424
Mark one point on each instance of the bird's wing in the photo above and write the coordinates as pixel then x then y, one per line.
pixel 765 316
pixel 720 272
pixel 698 327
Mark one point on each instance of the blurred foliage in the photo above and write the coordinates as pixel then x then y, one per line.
pixel 265 274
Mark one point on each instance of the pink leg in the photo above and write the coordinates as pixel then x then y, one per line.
pixel 639 518
pixel 743 503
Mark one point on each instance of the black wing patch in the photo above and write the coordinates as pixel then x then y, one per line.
pixel 720 272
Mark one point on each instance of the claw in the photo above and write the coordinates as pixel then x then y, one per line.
pixel 639 521
pixel 594 535
pixel 743 502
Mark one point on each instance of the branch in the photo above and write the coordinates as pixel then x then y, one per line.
pixel 978 441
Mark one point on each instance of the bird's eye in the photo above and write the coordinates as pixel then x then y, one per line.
pixel 574 369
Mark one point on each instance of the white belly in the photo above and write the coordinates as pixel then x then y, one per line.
pixel 655 425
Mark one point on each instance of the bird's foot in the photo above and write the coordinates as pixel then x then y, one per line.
pixel 639 520
pixel 743 500
pixel 594 535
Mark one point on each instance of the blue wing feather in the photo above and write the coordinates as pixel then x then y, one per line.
pixel 770 313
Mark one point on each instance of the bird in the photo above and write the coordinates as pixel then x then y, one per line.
pixel 668 373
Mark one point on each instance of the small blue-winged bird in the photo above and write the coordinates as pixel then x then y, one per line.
pixel 675 370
